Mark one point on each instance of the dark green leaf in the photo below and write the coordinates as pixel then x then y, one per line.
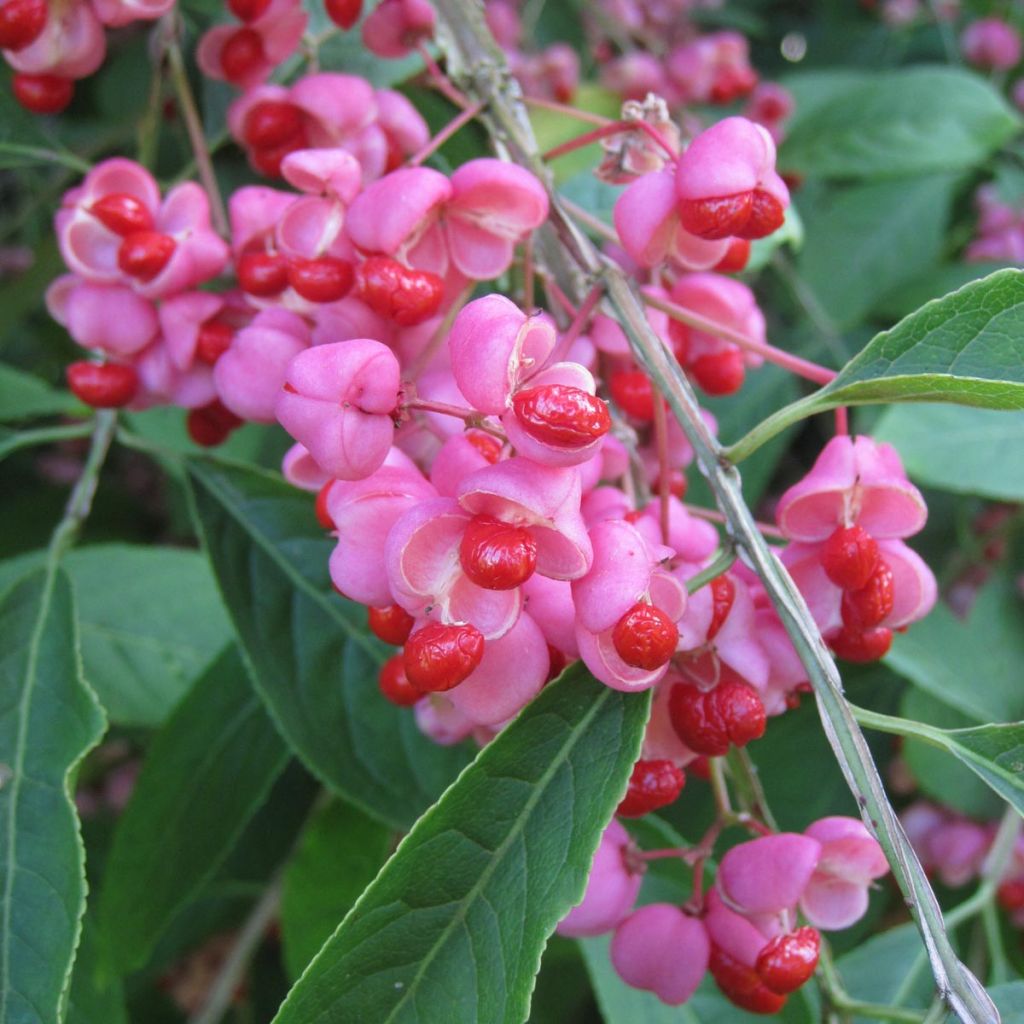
pixel 996 754
pixel 454 926
pixel 973 666
pixel 49 718
pixel 95 997
pixel 23 396
pixel 876 971
pixel 957 448
pixel 898 123
pixel 1009 1000
pixel 933 284
pixel 312 658
pixel 206 773
pixel 871 238
pixel 340 853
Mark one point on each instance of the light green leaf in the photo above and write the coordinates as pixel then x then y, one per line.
pixel 871 238
pixel 898 123
pixel 960 449
pixel 205 775
pixel 966 348
pixel 454 926
pixel 876 971
pixel 1009 1000
pixel 312 658
pixel 49 719
pixel 932 284
pixel 552 129
pixel 340 853
pixel 23 396
pixel 153 624
pixel 972 666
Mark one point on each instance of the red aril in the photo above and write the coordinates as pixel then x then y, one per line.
pixel 392 624
pixel 395 685
pixel 262 273
pixel 653 784
pixel 42 94
pixel 398 293
pixel 144 254
pixel 21 23
pixel 325 279
pixel 121 213
pixel 562 416
pixel 645 637
pixel 497 555
pixel 103 385
pixel 849 557
pixel 439 657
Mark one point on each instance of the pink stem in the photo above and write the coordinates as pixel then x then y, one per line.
pixel 664 473
pixel 446 133
pixel 441 81
pixel 662 854
pixel 579 321
pixel 801 367
pixel 469 416
pixel 560 297
pixel 529 275
pixel 563 108
pixel 714 516
pixel 842 421
pixel 612 128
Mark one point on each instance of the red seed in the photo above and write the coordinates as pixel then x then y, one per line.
pixel 325 279
pixel 486 444
pixel 723 593
pixel 395 685
pixel 398 293
pixel 42 94
pixel 439 657
pixel 212 424
pixel 144 254
pixel 262 273
pixel 742 985
pixel 717 217
pixel 213 340
pixel 736 257
pixel 392 624
pixel 849 557
pixel 645 637
pixel 871 604
pixel 248 10
pixel 653 784
pixel 497 555
pixel 344 13
pixel 21 23
pixel 1010 894
pixel 632 392
pixel 562 416
pixel 708 722
pixel 271 123
pixel 242 54
pixel 323 517
pixel 789 960
pixel 103 385
pixel 869 645
pixel 719 373
pixel 122 213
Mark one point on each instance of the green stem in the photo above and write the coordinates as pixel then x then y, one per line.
pixel 837 996
pixel 776 424
pixel 721 562
pixel 998 962
pixel 40 154
pixel 748 781
pixel 44 435
pixel 719 788
pixel 80 502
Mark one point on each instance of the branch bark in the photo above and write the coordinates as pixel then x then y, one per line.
pixel 479 66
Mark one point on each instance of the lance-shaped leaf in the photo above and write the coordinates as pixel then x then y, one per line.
pixel 454 925
pixel 205 775
pixel 49 718
pixel 966 348
pixel 311 656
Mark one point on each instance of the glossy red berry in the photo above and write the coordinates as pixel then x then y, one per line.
pixel 21 23
pixel 719 373
pixel 560 415
pixel 398 293
pixel 871 604
pixel 268 161
pixel 392 624
pixel 677 484
pixel 103 385
pixel 742 985
pixel 849 557
pixel 653 784
pixel 497 555
pixel 486 444
pixel 1010 895
pixel 144 254
pixel 700 767
pixel 710 721
pixel 854 645
pixel 262 273
pixel 42 94
pixel 645 637
pixel 323 517
pixel 122 213
pixel 679 335
pixel 270 123
pixel 736 257
pixel 212 424
pixel 395 685
pixel 213 340
pixel 325 279
pixel 439 657
pixel 789 960
pixel 242 54
pixel 632 392
pixel 723 593
pixel 730 83
pixel 248 10
pixel 743 215
pixel 344 13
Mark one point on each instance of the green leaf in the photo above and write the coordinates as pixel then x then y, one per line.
pixel 206 773
pixel 876 971
pixel 153 624
pixel 312 659
pixel 972 666
pixel 23 396
pixel 454 926
pixel 898 123
pixel 966 348
pixel 903 300
pixel 960 449
pixel 49 719
pixel 1009 999
pixel 95 998
pixel 340 853
pixel 871 238
pixel 552 129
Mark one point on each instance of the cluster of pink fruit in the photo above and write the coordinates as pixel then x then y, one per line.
pixel 744 930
